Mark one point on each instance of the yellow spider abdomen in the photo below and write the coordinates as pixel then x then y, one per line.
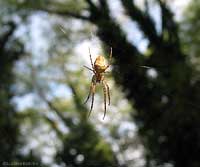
pixel 100 64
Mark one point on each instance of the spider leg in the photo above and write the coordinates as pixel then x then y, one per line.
pixel 89 68
pixel 110 55
pixel 110 58
pixel 108 92
pixel 88 94
pixel 104 94
pixel 91 87
pixel 93 92
pixel 91 59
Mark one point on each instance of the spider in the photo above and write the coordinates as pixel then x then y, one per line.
pixel 99 68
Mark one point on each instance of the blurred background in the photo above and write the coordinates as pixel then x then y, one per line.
pixel 154 116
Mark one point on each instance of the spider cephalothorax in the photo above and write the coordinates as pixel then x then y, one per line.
pixel 99 68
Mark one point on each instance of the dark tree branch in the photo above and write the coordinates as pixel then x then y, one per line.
pixel 104 8
pixel 66 13
pixel 144 21
pixel 53 108
pixel 4 39
pixel 39 90
pixel 168 53
pixel 146 3
pixel 91 4
pixel 54 126
pixel 103 5
pixel 168 23
pixel 78 103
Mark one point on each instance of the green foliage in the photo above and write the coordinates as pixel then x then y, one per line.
pixel 9 125
pixel 86 148
pixel 11 50
pixel 167 104
pixel 8 122
pixel 190 30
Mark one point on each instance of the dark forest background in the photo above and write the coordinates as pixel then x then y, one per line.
pixel 154 118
